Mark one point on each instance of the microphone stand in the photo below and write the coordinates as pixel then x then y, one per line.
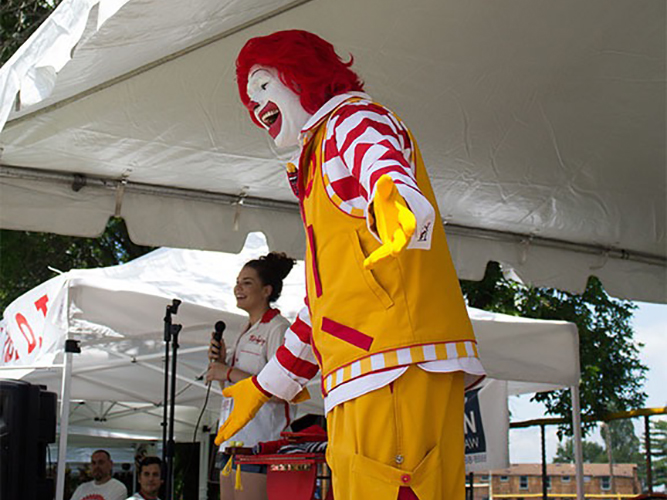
pixel 168 447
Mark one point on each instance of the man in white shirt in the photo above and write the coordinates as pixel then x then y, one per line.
pixel 149 476
pixel 103 486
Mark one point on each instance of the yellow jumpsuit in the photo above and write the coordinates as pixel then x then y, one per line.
pixel 405 311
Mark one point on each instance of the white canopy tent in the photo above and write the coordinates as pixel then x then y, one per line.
pixel 115 384
pixel 114 387
pixel 542 123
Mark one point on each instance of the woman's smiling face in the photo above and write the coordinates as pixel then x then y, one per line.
pixel 276 106
pixel 249 291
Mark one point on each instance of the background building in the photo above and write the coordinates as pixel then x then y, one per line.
pixel 523 481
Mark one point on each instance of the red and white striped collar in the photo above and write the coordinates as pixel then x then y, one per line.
pixel 269 315
pixel 324 111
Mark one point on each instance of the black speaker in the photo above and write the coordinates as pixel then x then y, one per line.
pixel 27 426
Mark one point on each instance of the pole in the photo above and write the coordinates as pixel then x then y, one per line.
pixel 170 331
pixel 490 486
pixel 172 408
pixel 71 347
pixel 165 395
pixel 578 451
pixel 204 456
pixel 647 445
pixel 544 462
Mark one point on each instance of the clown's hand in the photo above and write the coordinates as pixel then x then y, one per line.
pixel 394 221
pixel 248 399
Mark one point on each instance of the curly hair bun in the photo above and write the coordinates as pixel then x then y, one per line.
pixel 272 269
pixel 280 263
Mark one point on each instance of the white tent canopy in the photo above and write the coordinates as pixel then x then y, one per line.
pixel 117 315
pixel 542 123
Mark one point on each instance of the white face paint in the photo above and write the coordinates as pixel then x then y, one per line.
pixel 277 107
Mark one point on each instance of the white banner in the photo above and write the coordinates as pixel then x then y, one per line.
pixel 31 331
pixel 486 425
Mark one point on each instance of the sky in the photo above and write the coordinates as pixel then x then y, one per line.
pixel 650 325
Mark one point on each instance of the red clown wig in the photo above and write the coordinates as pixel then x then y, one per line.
pixel 308 65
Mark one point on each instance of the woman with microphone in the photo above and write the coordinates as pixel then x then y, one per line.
pixel 259 284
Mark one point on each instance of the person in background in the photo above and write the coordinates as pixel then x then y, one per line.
pixel 103 486
pixel 258 284
pixel 149 476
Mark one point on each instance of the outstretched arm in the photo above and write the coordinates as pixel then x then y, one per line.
pixel 248 399
pixel 284 376
pixel 377 150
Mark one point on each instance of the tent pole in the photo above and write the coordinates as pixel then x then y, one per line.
pixel 71 346
pixel 578 450
pixel 544 461
pixel 204 456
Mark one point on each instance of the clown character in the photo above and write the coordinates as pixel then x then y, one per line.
pixel 385 320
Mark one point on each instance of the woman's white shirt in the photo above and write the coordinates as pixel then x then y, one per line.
pixel 250 352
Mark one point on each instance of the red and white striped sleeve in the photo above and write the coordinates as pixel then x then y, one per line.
pixel 371 141
pixel 294 363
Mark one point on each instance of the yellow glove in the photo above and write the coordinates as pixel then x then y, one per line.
pixel 394 221
pixel 248 399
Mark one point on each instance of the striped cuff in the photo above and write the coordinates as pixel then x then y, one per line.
pixel 424 214
pixel 259 387
pixel 422 210
pixel 275 380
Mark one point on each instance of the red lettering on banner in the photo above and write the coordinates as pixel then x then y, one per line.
pixel 29 335
pixel 8 351
pixel 40 304
pixel 6 355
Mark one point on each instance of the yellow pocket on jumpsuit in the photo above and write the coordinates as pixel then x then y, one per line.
pixel 362 478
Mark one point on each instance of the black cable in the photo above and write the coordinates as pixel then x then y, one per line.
pixel 201 414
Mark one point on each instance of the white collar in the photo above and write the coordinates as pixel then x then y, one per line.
pixel 324 111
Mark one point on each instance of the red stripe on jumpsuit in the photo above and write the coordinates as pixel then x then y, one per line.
pixel 347 334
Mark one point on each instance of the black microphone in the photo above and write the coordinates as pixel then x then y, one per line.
pixel 217 335
pixel 219 328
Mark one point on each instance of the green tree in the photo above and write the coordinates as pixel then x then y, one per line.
pixel 659 452
pixel 612 376
pixel 18 20
pixel 593 452
pixel 28 259
pixel 625 445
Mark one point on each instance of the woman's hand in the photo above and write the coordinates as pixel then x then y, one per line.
pixel 217 350
pixel 217 371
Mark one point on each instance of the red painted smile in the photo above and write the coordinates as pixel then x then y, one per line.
pixel 271 118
